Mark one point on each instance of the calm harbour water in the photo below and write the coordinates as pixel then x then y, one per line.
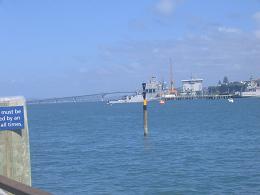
pixel 194 147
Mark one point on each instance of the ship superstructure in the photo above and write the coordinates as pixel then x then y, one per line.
pixel 154 91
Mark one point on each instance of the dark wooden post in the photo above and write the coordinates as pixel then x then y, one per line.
pixel 145 110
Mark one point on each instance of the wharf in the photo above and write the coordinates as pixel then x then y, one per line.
pixel 192 97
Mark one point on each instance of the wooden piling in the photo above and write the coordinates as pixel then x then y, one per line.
pixel 14 144
pixel 145 118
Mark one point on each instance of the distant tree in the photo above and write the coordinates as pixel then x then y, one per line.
pixel 227 87
pixel 235 87
pixel 223 89
pixel 225 80
pixel 213 90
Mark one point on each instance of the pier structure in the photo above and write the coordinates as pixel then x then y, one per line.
pixel 193 97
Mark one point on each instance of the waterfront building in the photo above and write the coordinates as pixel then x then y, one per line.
pixel 192 87
pixel 252 89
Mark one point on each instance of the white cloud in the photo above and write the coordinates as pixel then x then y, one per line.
pixel 257 34
pixel 228 29
pixel 166 7
pixel 256 16
pixel 220 51
pixel 155 50
pixel 83 70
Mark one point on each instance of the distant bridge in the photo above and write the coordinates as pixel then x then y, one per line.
pixel 82 98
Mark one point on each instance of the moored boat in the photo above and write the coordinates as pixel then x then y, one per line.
pixel 154 91
pixel 231 100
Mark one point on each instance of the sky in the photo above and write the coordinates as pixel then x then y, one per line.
pixel 55 48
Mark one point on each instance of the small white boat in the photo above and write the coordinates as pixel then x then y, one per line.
pixel 162 102
pixel 230 100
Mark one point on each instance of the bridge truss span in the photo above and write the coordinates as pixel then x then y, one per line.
pixel 106 96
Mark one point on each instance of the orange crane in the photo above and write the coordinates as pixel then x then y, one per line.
pixel 172 88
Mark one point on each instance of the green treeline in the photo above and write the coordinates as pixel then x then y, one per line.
pixel 227 87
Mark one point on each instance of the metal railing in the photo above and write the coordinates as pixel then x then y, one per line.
pixel 18 188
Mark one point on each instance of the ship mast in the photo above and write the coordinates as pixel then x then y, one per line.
pixel 172 89
pixel 171 76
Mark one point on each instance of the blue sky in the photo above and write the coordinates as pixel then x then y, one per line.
pixel 62 47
